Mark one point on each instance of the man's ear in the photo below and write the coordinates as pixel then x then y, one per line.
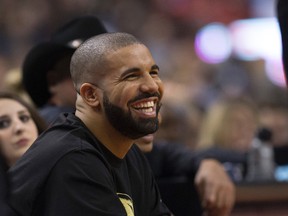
pixel 90 94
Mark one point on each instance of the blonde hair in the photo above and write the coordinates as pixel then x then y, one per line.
pixel 218 123
pixel 13 83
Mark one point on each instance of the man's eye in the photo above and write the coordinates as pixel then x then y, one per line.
pixel 5 123
pixel 131 77
pixel 154 73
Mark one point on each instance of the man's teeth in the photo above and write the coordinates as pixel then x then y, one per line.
pixel 147 110
pixel 149 104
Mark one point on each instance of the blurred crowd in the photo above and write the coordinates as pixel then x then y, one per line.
pixel 168 27
pixel 191 85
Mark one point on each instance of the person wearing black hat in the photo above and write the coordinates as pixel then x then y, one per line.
pixel 46 74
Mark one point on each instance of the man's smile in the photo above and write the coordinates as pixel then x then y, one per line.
pixel 147 107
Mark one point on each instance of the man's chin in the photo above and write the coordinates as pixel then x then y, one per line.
pixel 145 143
pixel 147 139
pixel 146 148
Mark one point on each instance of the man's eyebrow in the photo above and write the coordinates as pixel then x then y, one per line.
pixel 130 70
pixel 155 67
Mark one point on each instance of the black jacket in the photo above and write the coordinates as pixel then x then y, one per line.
pixel 67 171
pixel 5 209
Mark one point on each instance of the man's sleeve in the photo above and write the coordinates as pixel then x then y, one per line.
pixel 176 160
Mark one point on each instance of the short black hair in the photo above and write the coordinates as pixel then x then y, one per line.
pixel 90 56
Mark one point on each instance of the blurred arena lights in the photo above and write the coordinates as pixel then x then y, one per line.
pixel 275 72
pixel 247 40
pixel 257 38
pixel 213 43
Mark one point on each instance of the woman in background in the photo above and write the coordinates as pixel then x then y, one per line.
pixel 230 123
pixel 20 125
pixel 227 131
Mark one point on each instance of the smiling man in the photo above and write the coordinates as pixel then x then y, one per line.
pixel 86 163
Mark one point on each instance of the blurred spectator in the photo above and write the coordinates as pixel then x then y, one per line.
pixel 46 69
pixel 230 124
pixel 180 123
pixel 20 125
pixel 174 123
pixel 15 114
pixel 227 131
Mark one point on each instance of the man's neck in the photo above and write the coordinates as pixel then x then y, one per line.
pixel 114 141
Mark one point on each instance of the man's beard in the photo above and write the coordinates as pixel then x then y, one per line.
pixel 126 124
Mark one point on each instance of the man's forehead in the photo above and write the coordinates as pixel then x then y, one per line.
pixel 130 55
pixel 132 49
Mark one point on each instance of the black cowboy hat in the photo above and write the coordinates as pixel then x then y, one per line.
pixel 39 59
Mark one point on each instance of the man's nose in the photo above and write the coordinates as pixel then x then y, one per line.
pixel 149 84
